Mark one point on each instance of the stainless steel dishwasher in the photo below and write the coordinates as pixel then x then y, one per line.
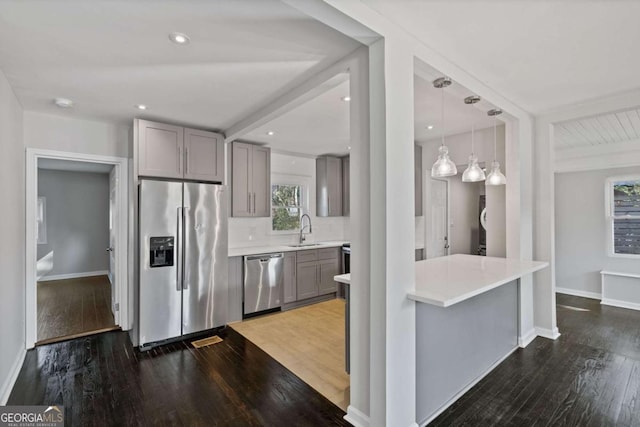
pixel 263 282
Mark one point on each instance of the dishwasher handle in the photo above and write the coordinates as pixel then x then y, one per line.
pixel 264 258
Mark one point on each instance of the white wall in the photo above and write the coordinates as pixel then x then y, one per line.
pixel 245 232
pixel 61 133
pixel 77 215
pixel 581 230
pixel 12 230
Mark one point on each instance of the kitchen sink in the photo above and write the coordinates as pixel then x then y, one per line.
pixel 303 245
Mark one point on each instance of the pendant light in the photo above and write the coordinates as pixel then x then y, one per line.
pixel 495 177
pixel 473 172
pixel 443 167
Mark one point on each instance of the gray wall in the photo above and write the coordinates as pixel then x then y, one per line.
pixel 77 211
pixel 581 237
pixel 12 229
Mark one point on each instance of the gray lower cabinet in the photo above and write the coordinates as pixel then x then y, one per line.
pixel 290 291
pixel 327 269
pixel 315 270
pixel 307 279
pixel 236 288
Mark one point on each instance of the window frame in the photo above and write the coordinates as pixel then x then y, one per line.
pixel 610 217
pixel 293 180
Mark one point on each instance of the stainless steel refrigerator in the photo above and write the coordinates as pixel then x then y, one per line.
pixel 183 259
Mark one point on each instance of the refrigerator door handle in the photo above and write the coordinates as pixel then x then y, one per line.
pixel 185 255
pixel 179 251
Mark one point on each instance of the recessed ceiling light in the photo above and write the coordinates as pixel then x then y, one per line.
pixel 349 148
pixel 346 98
pixel 179 38
pixel 271 133
pixel 63 102
pixel 140 106
pixel 430 127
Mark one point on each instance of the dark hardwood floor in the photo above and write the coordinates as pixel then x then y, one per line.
pixel 73 307
pixel 103 381
pixel 590 376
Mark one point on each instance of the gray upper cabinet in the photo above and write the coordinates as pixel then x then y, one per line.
pixel 290 294
pixel 204 154
pixel 168 151
pixel 418 178
pixel 328 186
pixel 346 183
pixel 160 150
pixel 250 180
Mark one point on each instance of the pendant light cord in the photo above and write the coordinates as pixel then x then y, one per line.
pixel 442 115
pixel 472 137
pixel 495 138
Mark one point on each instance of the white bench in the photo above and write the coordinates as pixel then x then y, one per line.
pixel 621 289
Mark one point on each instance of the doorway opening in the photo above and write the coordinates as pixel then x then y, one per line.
pixel 77 219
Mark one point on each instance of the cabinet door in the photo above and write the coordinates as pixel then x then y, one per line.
pixel 346 182
pixel 418 178
pixel 241 179
pixel 290 294
pixel 204 154
pixel 334 181
pixel 261 181
pixel 160 150
pixel 307 279
pixel 327 270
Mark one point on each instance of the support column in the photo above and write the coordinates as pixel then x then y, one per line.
pixel 393 329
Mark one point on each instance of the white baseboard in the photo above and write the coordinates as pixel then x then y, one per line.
pixel 356 417
pixel 548 333
pixel 466 389
pixel 526 339
pixel 621 304
pixel 5 391
pixel 578 293
pixel 73 275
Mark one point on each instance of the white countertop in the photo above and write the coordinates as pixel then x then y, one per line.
pixel 452 279
pixel 343 278
pixel 255 250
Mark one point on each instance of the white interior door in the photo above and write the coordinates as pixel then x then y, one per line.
pixel 113 221
pixel 439 241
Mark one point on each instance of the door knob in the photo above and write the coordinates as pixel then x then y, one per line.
pixel 109 249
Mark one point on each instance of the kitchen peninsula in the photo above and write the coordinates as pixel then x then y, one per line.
pixel 467 322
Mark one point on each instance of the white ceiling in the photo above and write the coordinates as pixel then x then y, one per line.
pixel 74 166
pixel 612 128
pixel 459 117
pixel 108 56
pixel 316 127
pixel 539 54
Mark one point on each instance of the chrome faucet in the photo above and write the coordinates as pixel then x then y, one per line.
pixel 302 227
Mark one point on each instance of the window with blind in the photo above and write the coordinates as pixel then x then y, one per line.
pixel 624 215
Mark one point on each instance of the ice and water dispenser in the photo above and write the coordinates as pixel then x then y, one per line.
pixel 161 251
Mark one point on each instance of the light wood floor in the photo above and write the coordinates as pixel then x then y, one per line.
pixel 73 307
pixel 309 341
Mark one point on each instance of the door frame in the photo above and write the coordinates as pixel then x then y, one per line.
pixel 121 245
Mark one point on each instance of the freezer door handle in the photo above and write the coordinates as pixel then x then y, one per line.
pixel 179 251
pixel 185 252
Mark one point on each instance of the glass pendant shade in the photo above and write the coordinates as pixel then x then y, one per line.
pixel 473 172
pixel 495 177
pixel 443 166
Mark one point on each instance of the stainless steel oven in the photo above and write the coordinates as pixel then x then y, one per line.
pixel 346 258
